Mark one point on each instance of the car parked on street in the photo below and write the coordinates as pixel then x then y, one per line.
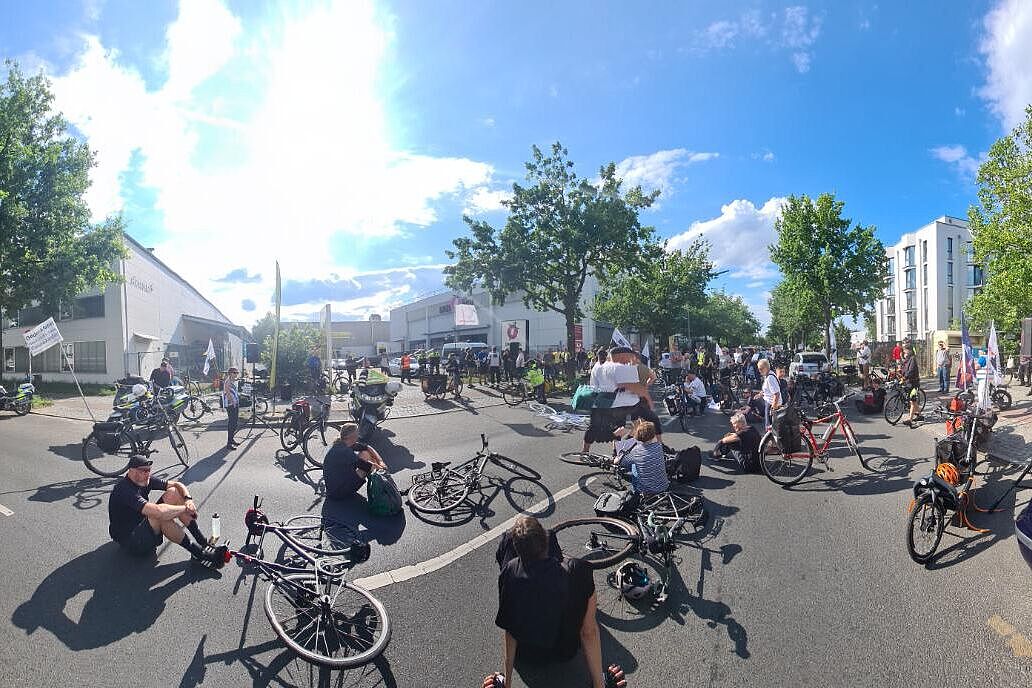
pixel 809 363
pixel 395 366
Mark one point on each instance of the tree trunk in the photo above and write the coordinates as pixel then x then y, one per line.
pixel 570 313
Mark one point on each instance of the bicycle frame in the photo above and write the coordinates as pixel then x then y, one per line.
pixel 840 424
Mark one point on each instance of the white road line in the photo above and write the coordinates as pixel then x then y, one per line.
pixel 5 511
pixel 405 573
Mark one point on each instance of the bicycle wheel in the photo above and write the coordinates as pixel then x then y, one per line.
pixel 669 508
pixel 102 463
pixel 1002 399
pixel 178 443
pixel 598 541
pixel 925 524
pixel 922 399
pixel 343 627
pixel 514 394
pixel 314 444
pixel 586 459
pixel 784 468
pixel 289 435
pixel 319 535
pixel 23 409
pixel 193 409
pixel 438 495
pixel 851 440
pixel 683 417
pixel 261 406
pixel 514 466
pixel 457 391
pixel 894 408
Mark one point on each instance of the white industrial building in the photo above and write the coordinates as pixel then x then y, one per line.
pixel 430 322
pixel 127 328
pixel 930 276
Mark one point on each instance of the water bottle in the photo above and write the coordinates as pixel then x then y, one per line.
pixel 216 528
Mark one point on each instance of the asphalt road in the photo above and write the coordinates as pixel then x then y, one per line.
pixel 818 589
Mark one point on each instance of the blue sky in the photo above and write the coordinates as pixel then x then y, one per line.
pixel 347 139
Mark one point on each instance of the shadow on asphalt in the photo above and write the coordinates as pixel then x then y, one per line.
pixel 86 493
pixel 295 468
pixel 72 450
pixel 527 430
pixel 574 672
pixel 397 457
pixel 127 595
pixel 385 530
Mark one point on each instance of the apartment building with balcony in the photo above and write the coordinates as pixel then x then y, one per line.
pixel 930 274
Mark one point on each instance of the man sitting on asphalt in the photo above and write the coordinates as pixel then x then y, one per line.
pixel 742 444
pixel 696 391
pixel 138 524
pixel 348 463
pixel 546 608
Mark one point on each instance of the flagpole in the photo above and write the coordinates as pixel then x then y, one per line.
pixel 71 369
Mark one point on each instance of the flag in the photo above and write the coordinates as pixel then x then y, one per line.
pixel 209 356
pixel 619 339
pixel 645 351
pixel 992 357
pixel 278 297
pixel 465 315
pixel 718 351
pixel 966 371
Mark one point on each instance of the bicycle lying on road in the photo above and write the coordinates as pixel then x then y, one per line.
pixel 313 609
pixel 445 486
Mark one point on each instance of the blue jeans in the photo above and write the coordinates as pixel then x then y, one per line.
pixel 944 378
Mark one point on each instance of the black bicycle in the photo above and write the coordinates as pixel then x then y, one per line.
pixel 897 398
pixel 445 486
pixel 318 614
pixel 314 442
pixel 109 446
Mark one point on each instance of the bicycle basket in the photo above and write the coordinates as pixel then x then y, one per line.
pixel 950 449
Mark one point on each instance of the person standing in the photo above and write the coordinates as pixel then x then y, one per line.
pixel 771 389
pixel 406 368
pixel 494 366
pixel 942 366
pixel 421 361
pixel 314 366
pixel 231 400
pixel 897 354
pixel 521 363
pixel 863 361
pixel 619 379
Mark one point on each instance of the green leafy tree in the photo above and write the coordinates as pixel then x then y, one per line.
pixel 842 339
pixel 794 315
pixel 560 231
pixel 263 329
pixel 1001 227
pixel 295 343
pixel 49 252
pixel 871 326
pixel 841 266
pixel 727 320
pixel 658 297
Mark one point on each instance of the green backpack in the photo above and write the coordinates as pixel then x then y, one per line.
pixel 382 494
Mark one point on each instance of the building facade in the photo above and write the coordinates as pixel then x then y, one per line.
pixel 930 274
pixel 430 322
pixel 354 337
pixel 127 328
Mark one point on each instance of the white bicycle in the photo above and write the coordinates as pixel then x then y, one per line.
pixel 559 420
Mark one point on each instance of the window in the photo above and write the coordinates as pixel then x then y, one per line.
pixel 88 307
pixel 90 357
pixel 949 247
pixel 911 276
pixel 924 274
pixel 911 322
pixel 892 267
pixel 47 362
pixel 890 288
pixel 64 312
pixel 890 305
pixel 908 254
pixel 890 328
pixel 949 303
pixel 949 273
pixel 975 275
pixel 924 309
pixel 924 251
pixel 8 360
pixel 910 300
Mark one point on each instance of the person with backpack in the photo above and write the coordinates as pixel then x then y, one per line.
pixel 348 464
pixel 771 389
pixel 742 444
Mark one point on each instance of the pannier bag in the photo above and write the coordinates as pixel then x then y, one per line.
pixel 671 404
pixel 616 504
pixel 383 494
pixel 785 421
pixel 107 436
pixel 583 398
pixel 684 466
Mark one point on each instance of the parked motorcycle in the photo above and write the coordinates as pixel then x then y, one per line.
pixel 20 402
pixel 371 399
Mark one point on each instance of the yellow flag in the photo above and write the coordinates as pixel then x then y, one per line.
pixel 275 333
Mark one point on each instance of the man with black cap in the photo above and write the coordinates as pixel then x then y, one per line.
pixel 138 525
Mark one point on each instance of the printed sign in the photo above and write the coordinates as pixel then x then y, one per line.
pixel 42 337
pixel 514 332
pixel 466 315
pixel 578 337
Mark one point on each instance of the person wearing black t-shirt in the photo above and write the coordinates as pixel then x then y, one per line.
pixel 162 375
pixel 742 444
pixel 348 463
pixel 546 605
pixel 138 524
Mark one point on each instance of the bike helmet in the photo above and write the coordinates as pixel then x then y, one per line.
pixel 1023 533
pixel 948 472
pixel 139 390
pixel 393 387
pixel 633 581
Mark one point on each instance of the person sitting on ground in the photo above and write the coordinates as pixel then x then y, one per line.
pixel 138 525
pixel 755 408
pixel 873 401
pixel 646 462
pixel 696 390
pixel 546 608
pixel 742 444
pixel 348 463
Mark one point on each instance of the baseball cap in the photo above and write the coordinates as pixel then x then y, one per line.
pixel 139 462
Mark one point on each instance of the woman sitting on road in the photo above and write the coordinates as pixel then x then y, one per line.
pixel 645 461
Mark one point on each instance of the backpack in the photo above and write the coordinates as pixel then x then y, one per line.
pixel 583 398
pixel 684 465
pixel 786 421
pixel 383 494
pixel 616 504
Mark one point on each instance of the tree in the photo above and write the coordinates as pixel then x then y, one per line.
pixel 794 315
pixel 561 229
pixel 1002 230
pixel 842 267
pixel 727 320
pixel 843 338
pixel 263 330
pixel 48 250
pixel 871 326
pixel 296 341
pixel 657 297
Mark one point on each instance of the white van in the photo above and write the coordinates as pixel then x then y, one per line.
pixel 460 347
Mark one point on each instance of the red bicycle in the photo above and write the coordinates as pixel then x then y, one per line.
pixel 787 466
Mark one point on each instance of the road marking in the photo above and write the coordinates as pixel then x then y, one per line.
pixel 405 573
pixel 5 511
pixel 1020 645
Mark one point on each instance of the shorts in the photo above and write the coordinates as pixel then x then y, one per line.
pixel 142 541
pixel 643 412
pixel 603 423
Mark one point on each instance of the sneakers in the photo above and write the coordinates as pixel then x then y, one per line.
pixel 213 557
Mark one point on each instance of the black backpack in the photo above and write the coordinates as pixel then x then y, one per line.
pixel 684 466
pixel 616 504
pixel 786 421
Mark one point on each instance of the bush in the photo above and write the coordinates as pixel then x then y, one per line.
pixel 295 345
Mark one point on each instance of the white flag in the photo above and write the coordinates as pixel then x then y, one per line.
pixel 619 339
pixel 209 356
pixel 645 351
pixel 466 314
pixel 992 357
pixel 718 351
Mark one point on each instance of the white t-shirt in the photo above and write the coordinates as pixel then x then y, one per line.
pixel 606 377
pixel 493 359
pixel 863 355
pixel 521 361
pixel 771 388
pixel 738 357
pixel 756 357
pixel 665 361
pixel 695 388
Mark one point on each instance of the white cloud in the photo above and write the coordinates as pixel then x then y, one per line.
pixel 483 200
pixel 794 29
pixel 799 32
pixel 957 157
pixel 303 160
pixel 768 157
pixel 738 238
pixel 488 122
pixel 801 61
pixel 959 111
pixel 720 34
pixel 1007 50
pixel 656 171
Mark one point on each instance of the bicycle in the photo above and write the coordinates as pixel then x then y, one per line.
pixel 788 468
pixel 315 611
pixel 196 406
pixel 442 489
pixel 560 420
pixel 897 394
pixel 653 526
pixel 109 446
pixel 313 435
pixel 516 392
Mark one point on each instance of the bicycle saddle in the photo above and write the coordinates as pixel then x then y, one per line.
pixel 439 465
